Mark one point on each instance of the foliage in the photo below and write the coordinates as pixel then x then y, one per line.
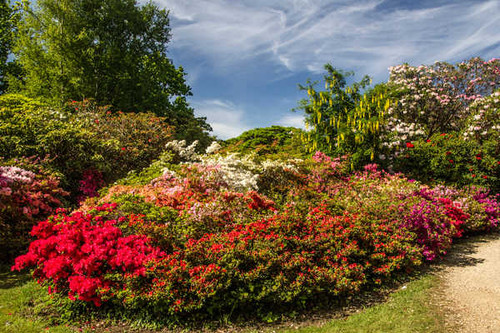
pixel 483 124
pixel 344 119
pixel 132 140
pixel 192 245
pixel 451 159
pixel 92 141
pixel 113 52
pixel 28 194
pixel 274 140
pixel 8 22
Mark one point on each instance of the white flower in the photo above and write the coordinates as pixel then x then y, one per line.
pixel 213 148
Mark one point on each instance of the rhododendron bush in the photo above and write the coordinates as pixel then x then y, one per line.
pixel 28 193
pixel 193 242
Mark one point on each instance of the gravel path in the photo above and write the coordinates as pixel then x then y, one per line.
pixel 470 295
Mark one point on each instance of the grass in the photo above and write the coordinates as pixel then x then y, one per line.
pixel 19 297
pixel 407 310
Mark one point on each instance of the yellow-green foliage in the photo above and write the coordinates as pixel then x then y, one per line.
pixel 345 119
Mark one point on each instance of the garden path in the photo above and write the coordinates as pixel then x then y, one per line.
pixel 470 294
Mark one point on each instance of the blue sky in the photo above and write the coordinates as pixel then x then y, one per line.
pixel 245 58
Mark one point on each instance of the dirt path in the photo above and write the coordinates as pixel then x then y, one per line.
pixel 470 295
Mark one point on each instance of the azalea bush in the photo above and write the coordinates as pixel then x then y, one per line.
pixel 450 158
pixel 28 194
pixel 88 146
pixel 194 244
pixel 131 141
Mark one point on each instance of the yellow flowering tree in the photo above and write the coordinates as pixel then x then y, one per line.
pixel 345 119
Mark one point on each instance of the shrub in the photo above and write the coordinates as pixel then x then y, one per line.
pixel 272 141
pixel 192 245
pixel 436 97
pixel 130 141
pixel 28 193
pixel 449 158
pixel 82 146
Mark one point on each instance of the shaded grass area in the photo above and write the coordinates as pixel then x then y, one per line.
pixel 407 310
pixel 20 300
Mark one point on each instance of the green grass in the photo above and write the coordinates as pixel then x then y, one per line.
pixel 408 310
pixel 19 296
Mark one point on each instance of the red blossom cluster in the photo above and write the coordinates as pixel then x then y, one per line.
pixel 75 253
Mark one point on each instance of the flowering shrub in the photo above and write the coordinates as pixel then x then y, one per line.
pixel 436 98
pixel 484 123
pixel 130 141
pixel 25 198
pixel 91 182
pixel 448 157
pixel 80 138
pixel 191 244
pixel 78 254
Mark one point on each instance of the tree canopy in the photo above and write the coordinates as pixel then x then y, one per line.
pixel 7 19
pixel 114 52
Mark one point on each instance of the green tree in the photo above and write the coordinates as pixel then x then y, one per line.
pixel 113 52
pixel 344 119
pixel 7 26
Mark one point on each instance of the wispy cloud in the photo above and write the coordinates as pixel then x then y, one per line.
pixel 292 120
pixel 367 35
pixel 226 119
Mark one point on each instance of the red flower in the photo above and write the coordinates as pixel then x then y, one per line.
pixel 427 140
pixel 451 161
pixel 123 148
pixel 473 176
pixel 448 153
pixel 478 158
pixel 409 145
pixel 485 177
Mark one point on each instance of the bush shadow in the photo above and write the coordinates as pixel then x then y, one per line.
pixel 463 250
pixel 9 279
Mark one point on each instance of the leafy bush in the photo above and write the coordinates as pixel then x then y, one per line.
pixel 85 145
pixel 192 245
pixel 130 141
pixel 274 140
pixel 28 194
pixel 451 159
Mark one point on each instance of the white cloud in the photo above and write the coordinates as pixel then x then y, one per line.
pixel 305 34
pixel 293 120
pixel 226 119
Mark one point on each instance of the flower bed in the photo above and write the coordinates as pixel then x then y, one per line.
pixel 192 243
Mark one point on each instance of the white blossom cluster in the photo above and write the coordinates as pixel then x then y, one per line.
pixel 240 173
pixel 213 148
pixel 16 174
pixel 185 153
pixel 485 119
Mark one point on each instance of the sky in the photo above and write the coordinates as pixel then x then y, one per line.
pixel 245 58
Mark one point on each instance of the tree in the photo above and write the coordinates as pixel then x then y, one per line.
pixel 345 119
pixel 7 25
pixel 113 52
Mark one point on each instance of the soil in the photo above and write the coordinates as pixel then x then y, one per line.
pixel 469 297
